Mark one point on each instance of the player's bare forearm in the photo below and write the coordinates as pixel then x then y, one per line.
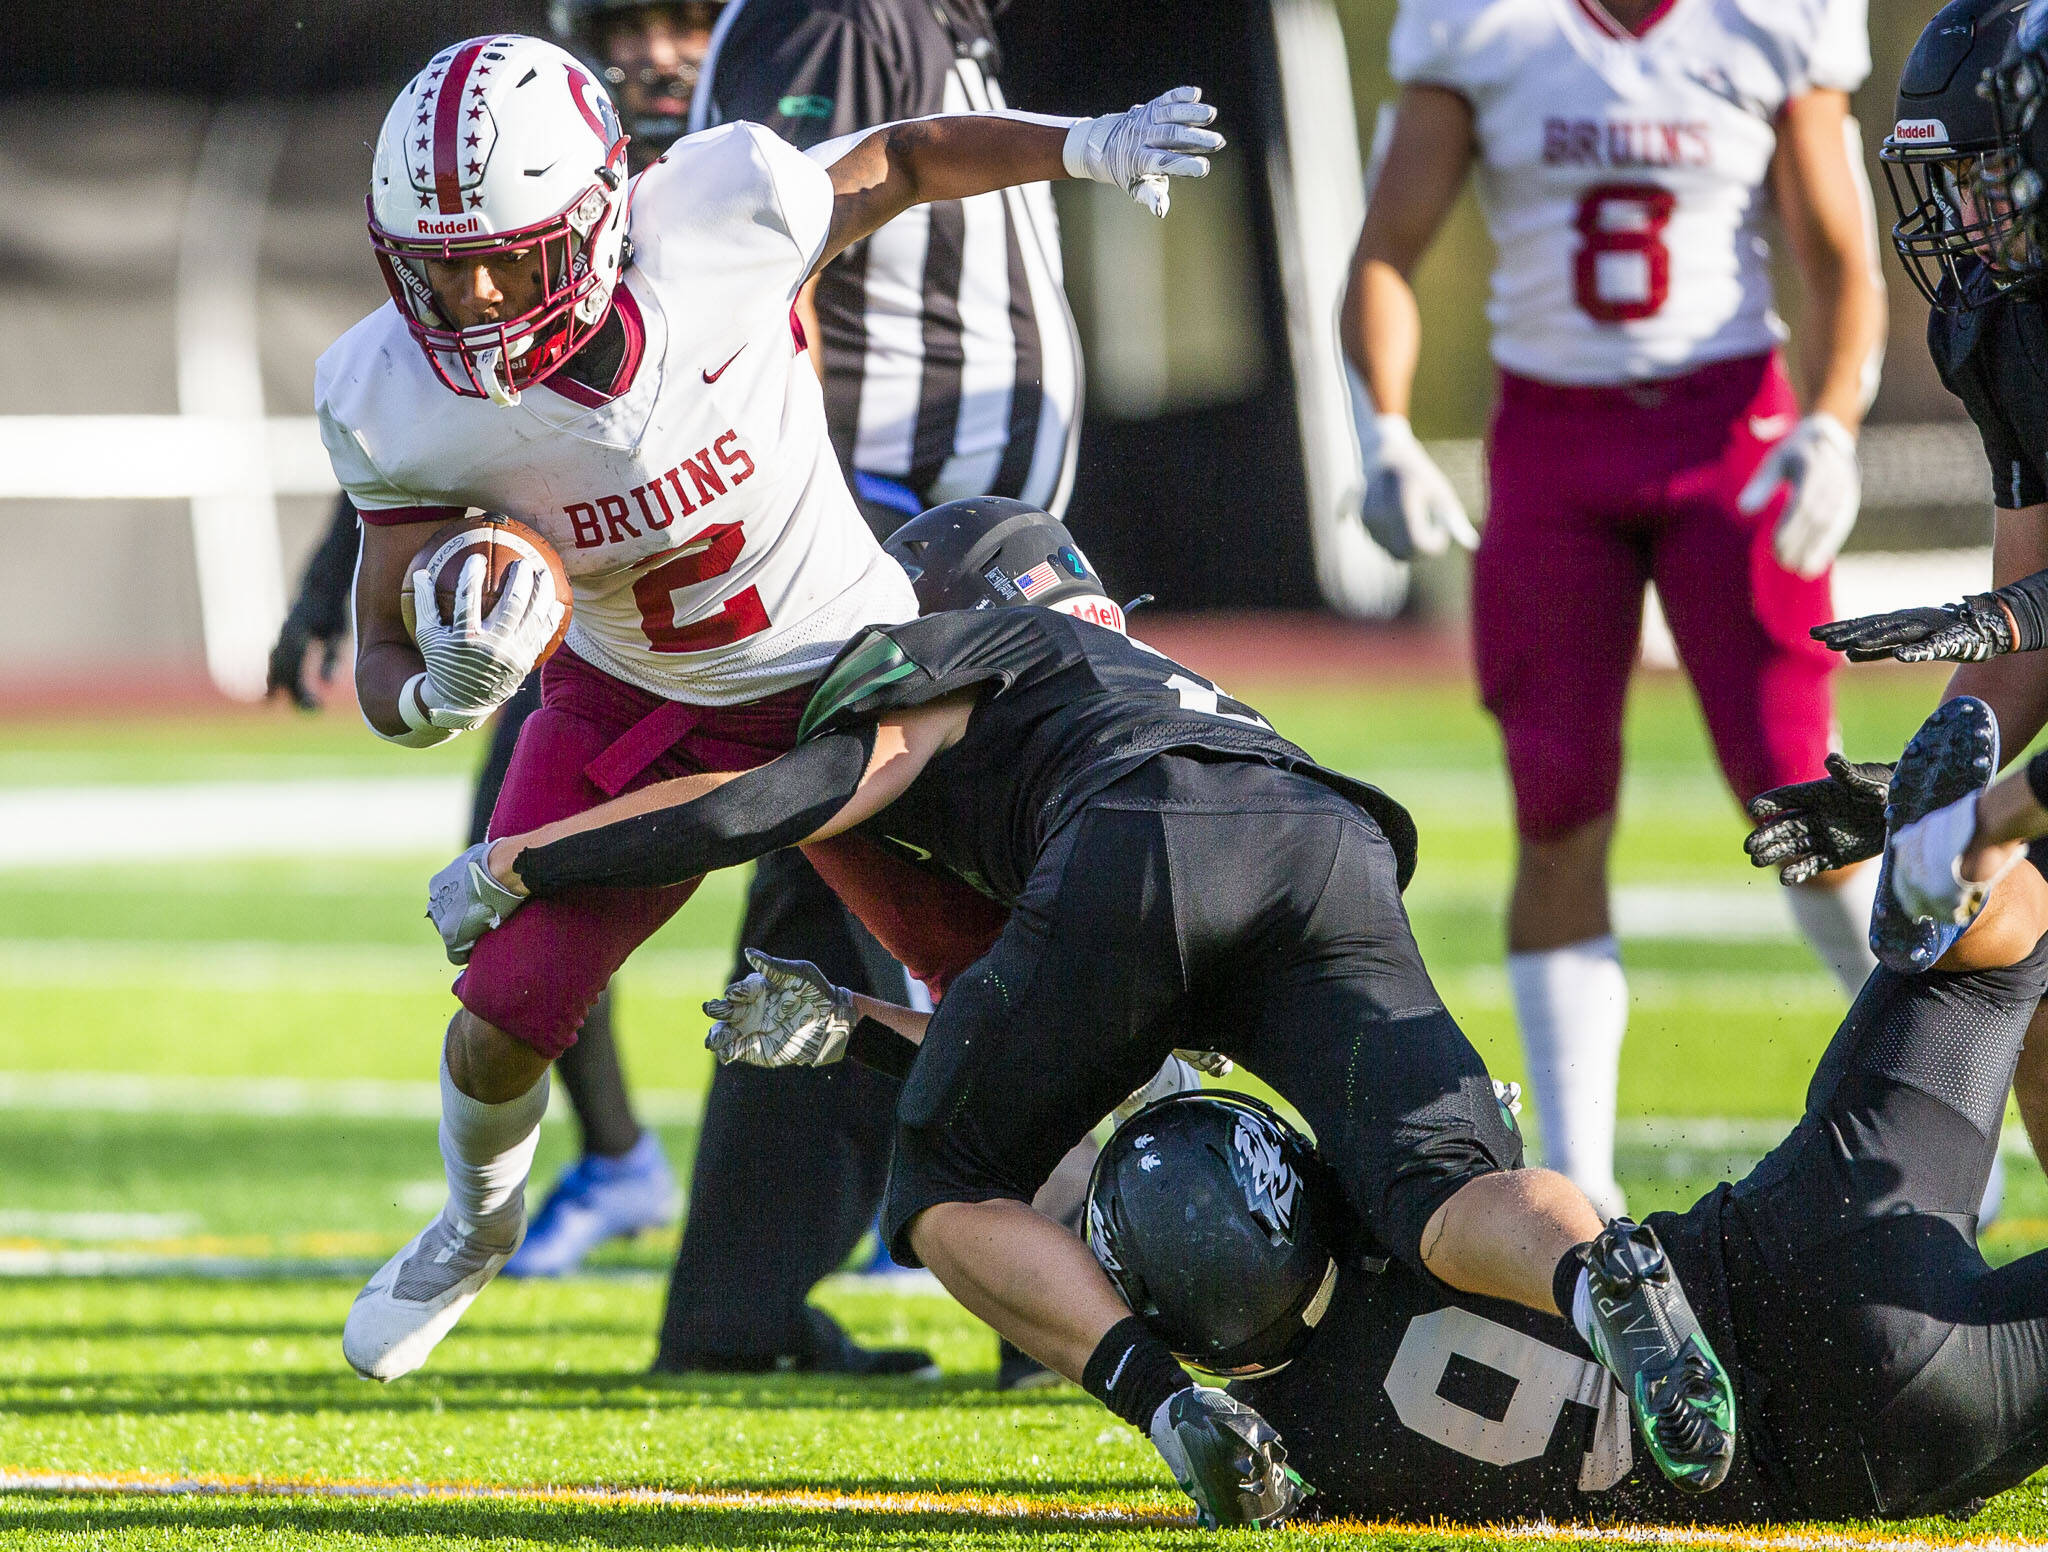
pixel 386 655
pixel 1426 163
pixel 919 161
pixel 1823 200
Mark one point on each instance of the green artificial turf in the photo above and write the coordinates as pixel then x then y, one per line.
pixel 198 984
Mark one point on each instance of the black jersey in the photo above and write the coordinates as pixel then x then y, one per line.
pixel 1881 1368
pixel 1994 357
pixel 1067 709
pixel 1414 1401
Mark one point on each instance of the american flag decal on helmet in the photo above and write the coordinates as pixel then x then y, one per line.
pixel 1040 578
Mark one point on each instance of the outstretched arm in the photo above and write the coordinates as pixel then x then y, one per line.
pixel 882 173
pixel 678 830
pixel 819 789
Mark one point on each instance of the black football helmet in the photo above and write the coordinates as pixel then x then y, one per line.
pixel 1948 160
pixel 1219 1226
pixel 989 552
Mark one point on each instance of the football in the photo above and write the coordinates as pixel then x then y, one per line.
pixel 501 541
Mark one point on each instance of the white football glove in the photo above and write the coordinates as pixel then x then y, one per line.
pixel 1214 1063
pixel 1407 505
pixel 1140 149
pixel 786 1014
pixel 1816 465
pixel 464 902
pixel 475 663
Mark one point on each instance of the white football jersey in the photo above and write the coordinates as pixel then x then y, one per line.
pixel 1623 176
pixel 715 552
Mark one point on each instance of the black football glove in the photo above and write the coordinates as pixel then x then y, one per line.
pixel 288 659
pixel 1812 827
pixel 1968 632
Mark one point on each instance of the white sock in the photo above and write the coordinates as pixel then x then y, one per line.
pixel 1572 1004
pixel 1581 1312
pixel 487 1151
pixel 1837 923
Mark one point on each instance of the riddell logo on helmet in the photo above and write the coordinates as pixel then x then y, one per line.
pixel 1920 132
pixel 449 228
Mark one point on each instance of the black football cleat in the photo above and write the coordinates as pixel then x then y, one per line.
pixel 1228 1459
pixel 1646 1334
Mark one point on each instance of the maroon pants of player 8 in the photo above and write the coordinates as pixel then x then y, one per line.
pixel 595 737
pixel 1596 492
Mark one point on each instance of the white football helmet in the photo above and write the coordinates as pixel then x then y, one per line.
pixel 502 143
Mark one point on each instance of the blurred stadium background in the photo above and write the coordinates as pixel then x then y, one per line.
pixel 219 1008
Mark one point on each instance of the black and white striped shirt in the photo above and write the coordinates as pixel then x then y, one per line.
pixel 952 366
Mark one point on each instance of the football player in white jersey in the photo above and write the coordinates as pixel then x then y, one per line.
pixel 615 364
pixel 1626 154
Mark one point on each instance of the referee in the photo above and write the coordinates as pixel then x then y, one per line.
pixel 951 363
pixel 951 368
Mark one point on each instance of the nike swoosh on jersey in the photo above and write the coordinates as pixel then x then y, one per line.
pixel 1768 428
pixel 712 377
pixel 916 851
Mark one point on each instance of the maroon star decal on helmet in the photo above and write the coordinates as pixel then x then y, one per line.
pixel 475 200
pixel 426 200
pixel 420 144
pixel 469 140
pixel 476 166
pixel 476 113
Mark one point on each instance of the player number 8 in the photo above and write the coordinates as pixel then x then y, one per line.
pixel 1623 270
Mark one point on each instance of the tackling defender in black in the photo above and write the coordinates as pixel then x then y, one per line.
pixel 1882 1368
pixel 1177 875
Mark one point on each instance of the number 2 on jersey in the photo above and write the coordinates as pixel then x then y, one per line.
pixel 1623 270
pixel 711 552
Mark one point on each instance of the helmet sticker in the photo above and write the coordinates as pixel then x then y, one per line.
pixel 1271 1187
pixel 1920 132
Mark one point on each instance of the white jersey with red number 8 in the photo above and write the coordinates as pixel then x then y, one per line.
pixel 715 553
pixel 1623 177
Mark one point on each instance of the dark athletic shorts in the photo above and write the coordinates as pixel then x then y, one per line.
pixel 1216 905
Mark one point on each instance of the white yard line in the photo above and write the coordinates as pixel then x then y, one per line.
pixel 276 1098
pixel 258 965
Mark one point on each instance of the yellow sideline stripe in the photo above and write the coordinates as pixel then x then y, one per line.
pixel 984 1505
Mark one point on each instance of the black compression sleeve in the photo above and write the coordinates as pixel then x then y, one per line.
pixel 770 807
pixel 2037 778
pixel 881 1049
pixel 322 604
pixel 2028 601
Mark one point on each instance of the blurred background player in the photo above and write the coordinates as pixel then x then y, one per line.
pixel 744 1304
pixel 1645 431
pixel 952 368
